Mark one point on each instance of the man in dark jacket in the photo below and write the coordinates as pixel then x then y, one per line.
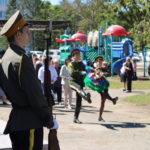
pixel 30 112
pixel 57 83
pixel 77 71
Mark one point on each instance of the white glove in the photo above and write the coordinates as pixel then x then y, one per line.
pixel 56 126
pixel 83 72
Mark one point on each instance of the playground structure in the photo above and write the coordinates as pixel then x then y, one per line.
pixel 145 61
pixel 113 45
pixel 68 43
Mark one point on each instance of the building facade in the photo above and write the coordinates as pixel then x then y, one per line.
pixel 3 7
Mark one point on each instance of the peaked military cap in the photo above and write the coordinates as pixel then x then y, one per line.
pixel 75 51
pixel 14 23
pixel 98 58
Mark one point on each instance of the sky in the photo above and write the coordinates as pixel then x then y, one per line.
pixel 55 2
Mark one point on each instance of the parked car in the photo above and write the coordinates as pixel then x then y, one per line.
pixel 54 53
pixel 38 53
pixel 136 56
pixel 147 56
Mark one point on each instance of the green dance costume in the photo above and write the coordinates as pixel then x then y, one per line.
pixel 96 80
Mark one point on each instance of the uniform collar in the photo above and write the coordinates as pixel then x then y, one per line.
pixel 17 49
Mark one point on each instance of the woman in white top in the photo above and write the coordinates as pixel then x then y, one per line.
pixel 53 72
pixel 123 76
pixel 64 74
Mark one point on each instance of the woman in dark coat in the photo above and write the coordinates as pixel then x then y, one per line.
pixel 129 74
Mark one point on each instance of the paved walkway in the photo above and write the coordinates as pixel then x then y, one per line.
pixel 126 126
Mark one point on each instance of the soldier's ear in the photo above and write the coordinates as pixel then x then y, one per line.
pixel 18 34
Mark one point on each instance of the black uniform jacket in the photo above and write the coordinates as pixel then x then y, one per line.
pixel 75 70
pixel 19 81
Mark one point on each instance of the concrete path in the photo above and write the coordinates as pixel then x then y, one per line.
pixel 126 126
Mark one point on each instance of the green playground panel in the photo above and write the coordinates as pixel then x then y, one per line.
pixel 91 54
pixel 64 53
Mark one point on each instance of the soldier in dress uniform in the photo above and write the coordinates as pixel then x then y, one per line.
pixel 30 112
pixel 77 72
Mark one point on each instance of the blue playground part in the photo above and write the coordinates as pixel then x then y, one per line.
pixel 120 50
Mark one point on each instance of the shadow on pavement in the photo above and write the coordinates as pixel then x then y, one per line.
pixel 45 147
pixel 125 125
pixel 83 109
pixel 138 92
pixel 143 78
pixel 5 106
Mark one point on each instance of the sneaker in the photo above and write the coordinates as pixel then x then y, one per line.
pixel 88 97
pixel 69 107
pixel 115 100
pixel 65 107
pixel 77 121
pixel 128 91
pixel 82 94
pixel 124 89
pixel 101 119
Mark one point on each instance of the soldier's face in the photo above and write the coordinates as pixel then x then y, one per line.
pixel 22 37
pixel 25 35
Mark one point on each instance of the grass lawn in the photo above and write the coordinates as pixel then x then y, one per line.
pixel 139 99
pixel 139 84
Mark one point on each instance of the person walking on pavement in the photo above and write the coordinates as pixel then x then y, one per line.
pixel 40 64
pixel 65 76
pixel 53 73
pixel 129 74
pixel 30 111
pixel 134 64
pixel 57 83
pixel 77 71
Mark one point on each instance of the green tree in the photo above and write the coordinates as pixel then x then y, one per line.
pixel 134 15
pixel 11 8
pixel 30 8
pixel 3 43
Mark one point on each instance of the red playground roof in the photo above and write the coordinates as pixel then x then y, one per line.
pixel 79 36
pixel 116 30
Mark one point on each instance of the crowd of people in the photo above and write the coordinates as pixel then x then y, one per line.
pixel 75 75
pixel 22 80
